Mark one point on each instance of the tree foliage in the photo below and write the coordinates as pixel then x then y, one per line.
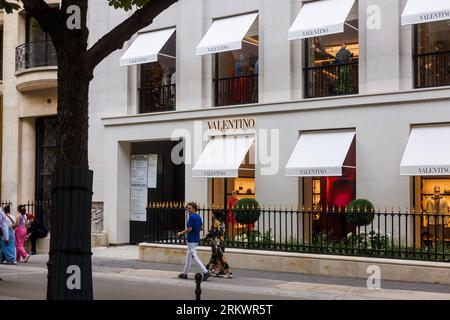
pixel 10 6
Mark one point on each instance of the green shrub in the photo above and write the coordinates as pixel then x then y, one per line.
pixel 246 211
pixel 360 212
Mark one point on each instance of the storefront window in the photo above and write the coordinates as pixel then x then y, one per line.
pixel 432 54
pixel 38 49
pixel 236 72
pixel 431 203
pixel 326 198
pixel 243 186
pixel 158 81
pixel 332 63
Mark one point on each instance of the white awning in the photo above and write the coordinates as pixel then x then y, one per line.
pixel 320 18
pixel 222 157
pixel 226 34
pixel 427 152
pixel 320 154
pixel 146 47
pixel 421 11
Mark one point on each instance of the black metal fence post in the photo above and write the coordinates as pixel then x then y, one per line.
pixel 70 261
pixel 198 289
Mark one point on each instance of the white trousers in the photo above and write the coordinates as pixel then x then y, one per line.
pixel 192 254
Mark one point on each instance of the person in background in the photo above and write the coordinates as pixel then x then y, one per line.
pixel 4 238
pixel 218 265
pixel 9 247
pixel 194 225
pixel 21 234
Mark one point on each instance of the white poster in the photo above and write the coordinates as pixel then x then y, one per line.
pixel 139 165
pixel 152 170
pixel 138 204
pixel 139 191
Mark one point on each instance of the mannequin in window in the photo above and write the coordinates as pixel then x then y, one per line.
pixel 241 85
pixel 437 205
pixel 343 71
pixel 343 56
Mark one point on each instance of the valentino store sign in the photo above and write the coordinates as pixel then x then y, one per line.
pixel 434 16
pixel 232 124
pixel 433 171
pixel 315 32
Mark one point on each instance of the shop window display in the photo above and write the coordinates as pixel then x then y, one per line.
pixel 432 54
pixel 158 81
pixel 332 63
pixel 236 72
pixel 330 194
pixel 432 208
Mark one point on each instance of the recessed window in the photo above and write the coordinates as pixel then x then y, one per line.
pixel 332 63
pixel 432 54
pixel 157 90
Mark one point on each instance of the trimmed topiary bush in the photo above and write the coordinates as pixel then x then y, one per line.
pixel 360 212
pixel 246 211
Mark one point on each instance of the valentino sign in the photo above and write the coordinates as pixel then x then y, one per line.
pixel 442 15
pixel 232 124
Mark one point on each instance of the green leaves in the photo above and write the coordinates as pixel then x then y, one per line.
pixel 127 4
pixel 8 6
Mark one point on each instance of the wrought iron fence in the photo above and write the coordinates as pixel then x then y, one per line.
pixel 432 69
pixel 404 234
pixel 332 80
pixel 40 210
pixel 236 90
pixel 158 98
pixel 35 54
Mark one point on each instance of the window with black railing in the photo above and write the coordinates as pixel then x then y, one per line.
pixel 157 98
pixel 157 92
pixel 236 72
pixel 236 90
pixel 332 63
pixel 35 54
pixel 432 55
pixel 38 49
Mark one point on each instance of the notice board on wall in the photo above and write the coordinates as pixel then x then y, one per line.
pixel 143 176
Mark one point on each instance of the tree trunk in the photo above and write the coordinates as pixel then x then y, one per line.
pixel 70 265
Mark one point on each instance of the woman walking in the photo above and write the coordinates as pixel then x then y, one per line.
pixel 218 265
pixel 21 234
pixel 9 246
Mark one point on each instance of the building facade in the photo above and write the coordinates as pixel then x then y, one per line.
pixel 310 104
pixel 29 98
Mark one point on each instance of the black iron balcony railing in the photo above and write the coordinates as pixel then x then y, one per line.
pixel 35 54
pixel 432 69
pixel 332 80
pixel 236 90
pixel 157 99
pixel 413 235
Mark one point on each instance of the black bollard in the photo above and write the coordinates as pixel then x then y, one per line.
pixel 198 289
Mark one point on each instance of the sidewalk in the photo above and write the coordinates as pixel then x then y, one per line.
pixel 284 284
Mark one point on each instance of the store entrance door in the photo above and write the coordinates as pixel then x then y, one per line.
pixel 170 182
